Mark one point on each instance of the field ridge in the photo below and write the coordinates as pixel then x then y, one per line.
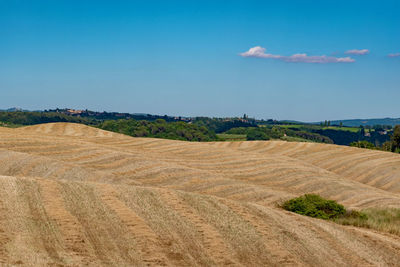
pixel 76 195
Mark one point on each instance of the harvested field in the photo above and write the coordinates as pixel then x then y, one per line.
pixel 75 195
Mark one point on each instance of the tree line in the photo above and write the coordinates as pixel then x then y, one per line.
pixel 205 129
pixel 160 129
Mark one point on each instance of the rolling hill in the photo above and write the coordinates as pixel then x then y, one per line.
pixel 365 122
pixel 76 195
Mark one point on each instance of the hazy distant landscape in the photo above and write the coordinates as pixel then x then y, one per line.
pixel 373 136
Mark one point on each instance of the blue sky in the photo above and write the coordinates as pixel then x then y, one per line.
pixel 189 57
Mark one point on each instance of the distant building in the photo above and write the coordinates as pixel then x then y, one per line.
pixel 74 111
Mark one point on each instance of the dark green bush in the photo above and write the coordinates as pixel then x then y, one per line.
pixel 256 135
pixel 315 206
pixel 363 144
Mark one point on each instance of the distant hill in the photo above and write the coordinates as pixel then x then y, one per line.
pixel 369 122
pixel 95 115
pixel 13 109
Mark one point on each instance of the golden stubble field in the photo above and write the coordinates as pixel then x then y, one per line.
pixel 75 195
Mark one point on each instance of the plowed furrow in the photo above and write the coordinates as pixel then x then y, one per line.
pixel 4 237
pixel 72 233
pixel 148 243
pixel 279 254
pixel 212 239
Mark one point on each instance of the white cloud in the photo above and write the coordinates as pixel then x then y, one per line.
pixel 358 52
pixel 259 52
pixel 394 55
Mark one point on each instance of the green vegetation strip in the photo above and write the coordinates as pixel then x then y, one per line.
pixel 232 137
pixel 385 220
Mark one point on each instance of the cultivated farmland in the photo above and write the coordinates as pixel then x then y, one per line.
pixel 76 195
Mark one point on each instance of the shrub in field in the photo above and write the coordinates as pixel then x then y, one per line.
pixel 381 219
pixel 315 206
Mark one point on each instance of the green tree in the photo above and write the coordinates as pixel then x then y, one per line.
pixel 394 144
pixel 396 136
pixel 362 131
pixel 363 144
pixel 395 139
pixel 255 134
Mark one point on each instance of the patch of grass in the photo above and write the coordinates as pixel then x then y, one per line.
pixel 349 129
pixel 315 206
pixel 316 126
pixel 385 220
pixel 9 125
pixel 295 139
pixel 294 126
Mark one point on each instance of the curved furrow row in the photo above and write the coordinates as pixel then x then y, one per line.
pixel 188 170
pixel 375 168
pixel 72 236
pixel 220 252
pixel 147 242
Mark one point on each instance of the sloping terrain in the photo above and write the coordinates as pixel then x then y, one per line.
pixel 371 167
pixel 75 195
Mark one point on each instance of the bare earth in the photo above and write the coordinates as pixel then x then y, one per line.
pixel 75 195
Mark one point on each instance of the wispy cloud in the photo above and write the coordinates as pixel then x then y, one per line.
pixel 259 52
pixel 358 52
pixel 394 55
